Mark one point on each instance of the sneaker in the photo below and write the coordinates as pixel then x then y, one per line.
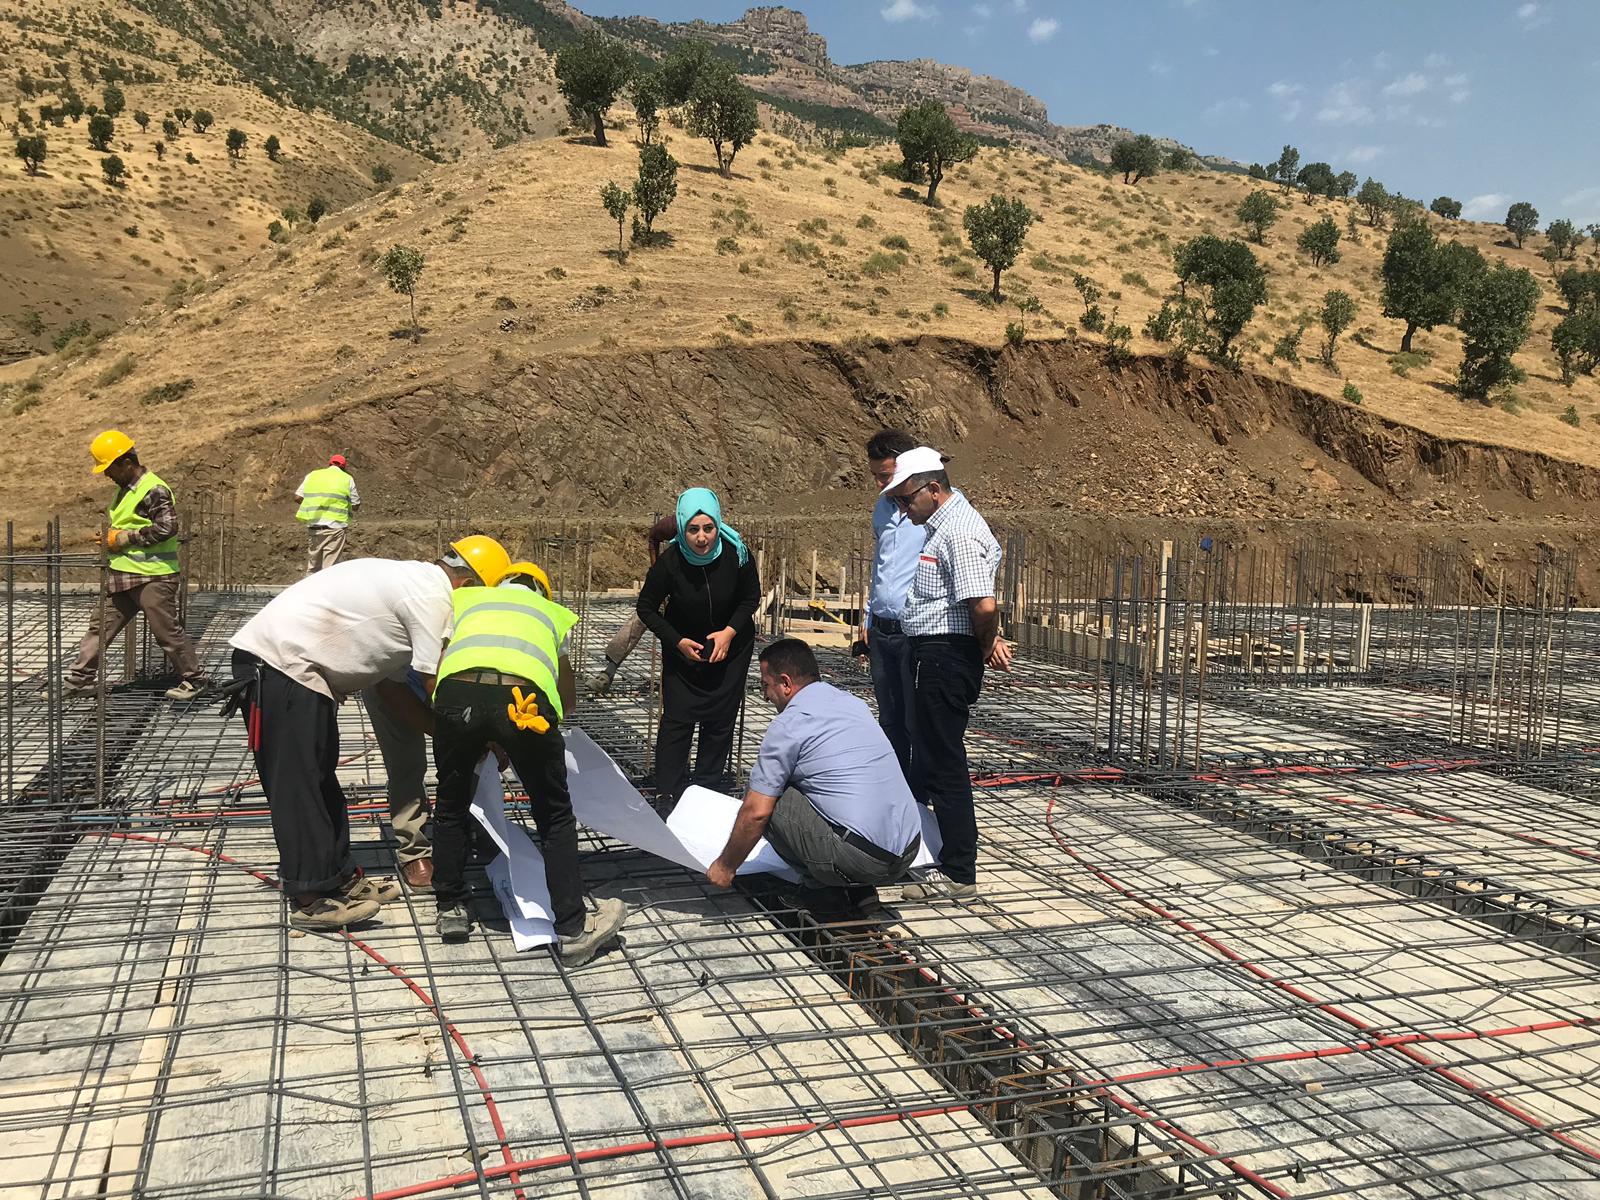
pixel 454 923
pixel 599 927
pixel 365 887
pixel 332 912
pixel 936 886
pixel 189 689
pixel 71 687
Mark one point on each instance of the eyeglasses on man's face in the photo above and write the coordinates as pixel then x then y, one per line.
pixel 904 502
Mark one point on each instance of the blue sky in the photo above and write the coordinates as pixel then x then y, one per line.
pixel 1488 101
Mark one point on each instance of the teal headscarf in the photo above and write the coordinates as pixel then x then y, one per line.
pixel 693 503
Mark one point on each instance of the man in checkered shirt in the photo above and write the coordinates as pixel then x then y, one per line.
pixel 953 624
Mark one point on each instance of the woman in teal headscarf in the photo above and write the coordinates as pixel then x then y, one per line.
pixel 700 599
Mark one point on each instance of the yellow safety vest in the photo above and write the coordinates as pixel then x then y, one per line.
pixel 159 559
pixel 325 497
pixel 510 630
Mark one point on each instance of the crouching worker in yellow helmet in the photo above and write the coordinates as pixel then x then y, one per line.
pixel 143 547
pixel 359 627
pixel 506 679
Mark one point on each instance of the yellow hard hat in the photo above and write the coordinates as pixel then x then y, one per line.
pixel 108 447
pixel 528 570
pixel 487 557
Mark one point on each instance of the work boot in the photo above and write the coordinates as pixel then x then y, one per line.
pixel 418 874
pixel 454 923
pixel 188 689
pixel 936 887
pixel 364 887
pixel 74 687
pixel 332 912
pixel 599 927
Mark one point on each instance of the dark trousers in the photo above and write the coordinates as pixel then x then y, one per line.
pixel 815 847
pixel 946 676
pixel 471 715
pixel 711 756
pixel 297 758
pixel 889 657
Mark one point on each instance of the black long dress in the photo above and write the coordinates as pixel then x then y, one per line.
pixel 681 600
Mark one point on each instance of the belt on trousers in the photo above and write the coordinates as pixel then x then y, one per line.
pixel 955 639
pixel 885 625
pixel 851 838
pixel 492 677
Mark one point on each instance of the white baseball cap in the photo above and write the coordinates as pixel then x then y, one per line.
pixel 914 462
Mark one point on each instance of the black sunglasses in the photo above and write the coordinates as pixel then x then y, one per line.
pixel 905 501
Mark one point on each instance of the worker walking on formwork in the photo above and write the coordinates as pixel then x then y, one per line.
pixel 142 544
pixel 361 624
pixel 506 679
pixel 328 497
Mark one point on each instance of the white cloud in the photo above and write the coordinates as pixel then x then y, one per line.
pixel 907 10
pixel 1288 97
pixel 1043 29
pixel 1435 62
pixel 982 11
pixel 1160 68
pixel 1363 154
pixel 1343 105
pixel 1407 85
pixel 1490 204
pixel 1588 195
pixel 1456 87
pixel 1532 15
pixel 1224 110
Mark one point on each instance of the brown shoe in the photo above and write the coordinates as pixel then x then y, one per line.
pixel 332 912
pixel 418 874
pixel 365 887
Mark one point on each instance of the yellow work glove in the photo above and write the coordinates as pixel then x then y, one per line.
pixel 117 538
pixel 524 713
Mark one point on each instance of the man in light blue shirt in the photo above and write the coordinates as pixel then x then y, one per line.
pixel 897 542
pixel 825 789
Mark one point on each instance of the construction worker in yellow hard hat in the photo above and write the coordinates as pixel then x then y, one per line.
pixel 142 543
pixel 372 627
pixel 506 679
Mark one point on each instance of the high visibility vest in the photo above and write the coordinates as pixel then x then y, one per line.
pixel 510 630
pixel 159 559
pixel 325 497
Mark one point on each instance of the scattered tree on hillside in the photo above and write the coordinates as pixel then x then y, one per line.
pixel 1230 283
pixel 401 267
pixel 31 150
pixel 202 120
pixel 182 115
pixel 236 142
pixel 141 119
pixel 1496 315
pixel 617 201
pixel 1287 167
pixel 1576 342
pixel 723 111
pixel 316 209
pixel 654 190
pixel 680 69
pixel 170 129
pixel 930 142
pixel 111 166
pixel 1425 280
pixel 1522 219
pixel 161 150
pixel 996 231
pixel 1593 230
pixel 272 146
pixel 591 74
pixel 1564 238
pixel 645 96
pixel 1257 171
pixel 101 131
pixel 1346 182
pixel 1182 159
pixel 112 101
pixel 1374 197
pixel 1338 310
pixel 73 106
pixel 1320 242
pixel 1258 212
pixel 382 175
pixel 1317 179
pixel 1445 207
pixel 1578 288
pixel 26 84
pixel 1136 157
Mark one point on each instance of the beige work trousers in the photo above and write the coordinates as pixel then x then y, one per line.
pixel 324 545
pixel 158 600
pixel 405 768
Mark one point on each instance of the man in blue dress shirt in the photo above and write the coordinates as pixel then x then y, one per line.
pixel 897 542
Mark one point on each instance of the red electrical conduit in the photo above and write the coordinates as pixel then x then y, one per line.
pixel 1300 993
pixel 428 1002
